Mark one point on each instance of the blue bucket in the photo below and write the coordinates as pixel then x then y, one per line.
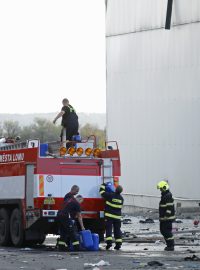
pixel 43 149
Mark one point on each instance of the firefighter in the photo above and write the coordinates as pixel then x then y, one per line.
pixel 66 218
pixel 166 214
pixel 74 191
pixel 113 205
pixel 69 122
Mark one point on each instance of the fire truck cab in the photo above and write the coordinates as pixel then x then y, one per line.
pixel 35 177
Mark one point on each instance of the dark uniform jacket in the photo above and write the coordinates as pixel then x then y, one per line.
pixel 113 203
pixel 69 117
pixel 70 206
pixel 166 207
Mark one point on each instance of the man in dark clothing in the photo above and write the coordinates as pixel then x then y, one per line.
pixel 69 122
pixel 66 218
pixel 113 205
pixel 166 214
pixel 74 191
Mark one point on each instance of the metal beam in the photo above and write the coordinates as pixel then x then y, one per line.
pixel 169 15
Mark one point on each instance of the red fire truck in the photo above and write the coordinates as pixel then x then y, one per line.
pixel 35 177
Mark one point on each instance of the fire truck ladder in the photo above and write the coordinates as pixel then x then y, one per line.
pixel 107 171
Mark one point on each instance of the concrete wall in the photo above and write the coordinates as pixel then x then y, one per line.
pixel 133 202
pixel 153 96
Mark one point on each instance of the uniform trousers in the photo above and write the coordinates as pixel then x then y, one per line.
pixel 68 231
pixel 166 231
pixel 115 224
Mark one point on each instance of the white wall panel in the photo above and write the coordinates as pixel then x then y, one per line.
pixel 125 16
pixel 153 95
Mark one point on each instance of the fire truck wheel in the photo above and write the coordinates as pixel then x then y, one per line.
pixel 16 228
pixel 4 227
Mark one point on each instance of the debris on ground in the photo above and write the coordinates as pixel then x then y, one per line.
pixel 155 263
pixel 147 220
pixel 126 221
pixel 192 258
pixel 100 263
pixel 138 264
pixel 191 251
pixel 196 222
pixel 128 235
pixel 178 221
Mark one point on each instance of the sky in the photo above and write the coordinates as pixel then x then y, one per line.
pixel 50 50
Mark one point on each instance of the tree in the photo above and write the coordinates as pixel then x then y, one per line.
pixel 11 129
pixel 100 134
pixel 46 131
pixel 41 129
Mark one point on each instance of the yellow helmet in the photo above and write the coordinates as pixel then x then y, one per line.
pixel 163 185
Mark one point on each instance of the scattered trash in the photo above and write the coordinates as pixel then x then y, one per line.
pixel 26 249
pixel 178 221
pixel 128 235
pixel 134 261
pixel 148 220
pixel 196 222
pixel 126 221
pixel 125 234
pixel 192 258
pixel 157 242
pixel 155 263
pixel 101 263
pixel 138 264
pixel 191 251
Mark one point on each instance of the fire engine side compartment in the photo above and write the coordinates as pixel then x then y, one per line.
pixel 14 177
pixel 58 176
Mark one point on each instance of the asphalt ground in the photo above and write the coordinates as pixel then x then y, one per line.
pixel 142 252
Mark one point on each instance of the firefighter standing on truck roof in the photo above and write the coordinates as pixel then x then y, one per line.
pixel 66 219
pixel 166 214
pixel 69 121
pixel 113 205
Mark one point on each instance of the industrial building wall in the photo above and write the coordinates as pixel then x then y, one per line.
pixel 153 94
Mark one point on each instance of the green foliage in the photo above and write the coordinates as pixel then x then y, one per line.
pixel 41 129
pixel 11 129
pixel 46 131
pixel 89 130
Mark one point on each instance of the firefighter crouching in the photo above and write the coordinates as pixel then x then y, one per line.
pixel 66 218
pixel 113 205
pixel 166 214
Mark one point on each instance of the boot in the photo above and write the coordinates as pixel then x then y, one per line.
pixel 170 248
pixel 117 247
pixel 61 245
pixel 108 246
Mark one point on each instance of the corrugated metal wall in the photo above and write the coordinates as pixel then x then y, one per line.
pixel 153 93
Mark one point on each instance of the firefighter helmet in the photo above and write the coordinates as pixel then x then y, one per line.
pixel 119 189
pixel 163 185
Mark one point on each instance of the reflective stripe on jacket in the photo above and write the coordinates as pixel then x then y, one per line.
pixel 166 207
pixel 113 203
